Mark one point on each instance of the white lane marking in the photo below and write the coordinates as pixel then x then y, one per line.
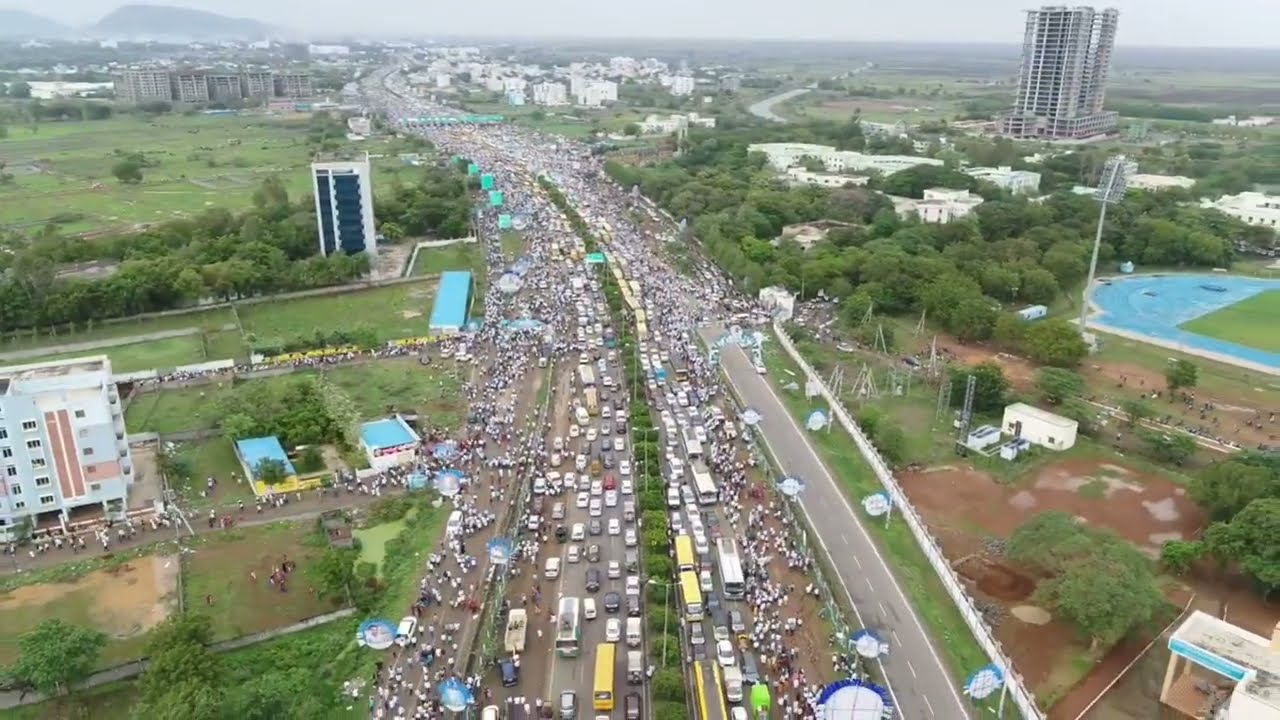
pixel 844 539
pixel 895 636
pixel 912 669
pixel 882 610
pixel 928 704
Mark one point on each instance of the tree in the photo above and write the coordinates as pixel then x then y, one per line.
pixel 1048 541
pixel 1181 374
pixel 335 573
pixel 391 231
pixel 1136 411
pixel 270 471
pixel 668 685
pixel 20 90
pixel 989 390
pixel 1054 342
pixel 1057 385
pixel 55 656
pixel 1105 593
pixel 1177 556
pixel 1252 539
pixel 127 171
pixel 1173 447
pixel 239 426
pixel 1225 488
pixel 631 129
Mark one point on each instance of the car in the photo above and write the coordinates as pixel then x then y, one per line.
pixel 725 655
pixel 619 445
pixel 615 526
pixel 595 508
pixel 624 468
pixel 568 705
pixel 580 462
pixel 593 553
pixel 606 428
pixel 574 554
pixel 405 631
pixel 611 498
pixel 608 462
pixel 606 412
pixel 591 434
pixel 735 622
pixel 557 443
pixel 627 487
pixel 557 511
pixel 686 494
pixel 633 585
pixel 615 570
pixel 583 500
pixel 593 579
pixel 629 537
pixel 706 582
pixel 700 433
pixel 631 705
pixel 696 637
pixel 750 670
pixel 595 527
pixel 612 602
pixel 720 632
pixel 540 484
pixel 579 532
pixel 562 533
pixel 677 523
pixel 556 459
pixel 737 712
pixel 613 630
pixel 610 482
pixel 571 481
pixel 574 431
pixel 597 488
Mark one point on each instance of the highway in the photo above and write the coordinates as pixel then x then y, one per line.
pixel 764 108
pixel 918 679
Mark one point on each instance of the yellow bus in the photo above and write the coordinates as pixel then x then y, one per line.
pixel 691 596
pixel 686 561
pixel 602 699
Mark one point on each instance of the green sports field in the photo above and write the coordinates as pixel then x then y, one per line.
pixel 1251 322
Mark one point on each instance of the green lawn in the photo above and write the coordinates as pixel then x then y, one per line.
pixel 210 458
pixel 165 353
pixel 373 540
pixel 121 331
pixel 1253 322
pixel 396 311
pixel 462 256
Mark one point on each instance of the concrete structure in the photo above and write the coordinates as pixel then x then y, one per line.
pixel 515 98
pixel 800 176
pixel 1253 208
pixel 63 445
pixel 190 87
pixel 779 302
pixel 1023 182
pixel 595 93
pixel 258 84
pixel 1040 427
pixel 1140 181
pixel 939 205
pixel 344 207
pixel 252 451
pixel 1254 121
pixel 453 302
pixel 225 88
pixel 1221 671
pixel 1066 55
pixel 292 85
pixel 143 85
pixel 682 85
pixel 389 443
pixel 786 155
pixel 659 125
pixel 550 94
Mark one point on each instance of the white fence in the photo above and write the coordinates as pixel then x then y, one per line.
pixel 1018 693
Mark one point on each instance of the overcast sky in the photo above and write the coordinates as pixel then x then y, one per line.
pixel 1199 23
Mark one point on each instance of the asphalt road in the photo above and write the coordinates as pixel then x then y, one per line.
pixel 918 680
pixel 764 108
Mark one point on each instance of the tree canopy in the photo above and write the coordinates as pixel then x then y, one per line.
pixel 55 656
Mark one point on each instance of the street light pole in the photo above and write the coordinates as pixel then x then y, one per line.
pixel 1111 188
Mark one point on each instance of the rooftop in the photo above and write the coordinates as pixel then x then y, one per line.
pixel 93 371
pixel 1232 652
pixel 1041 415
pixel 390 432
pixel 255 450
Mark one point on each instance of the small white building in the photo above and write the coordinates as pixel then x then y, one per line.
pixel 939 205
pixel 780 303
pixel 1039 427
pixel 389 443
pixel 1023 182
pixel 800 176
pixel 786 155
pixel 1253 208
pixel 550 94
pixel 682 85
pixel 660 125
pixel 1142 181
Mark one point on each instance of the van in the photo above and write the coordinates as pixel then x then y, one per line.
pixel 589 608
pixel 509 672
pixel 453 527
pixel 632 705
pixel 629 511
pixel 551 570
pixel 635 667
pixel 732 683
pixel 489 713
pixel 673 497
pixel 633 635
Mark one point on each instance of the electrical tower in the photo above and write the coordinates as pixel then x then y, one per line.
pixel 920 323
pixel 836 382
pixel 944 401
pixel 864 386
pixel 966 412
pixel 881 346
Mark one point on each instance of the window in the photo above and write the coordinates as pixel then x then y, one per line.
pixel 4 433
pixel 37 463
pixel 95 487
pixel 80 414
pixel 46 499
pixel 15 489
pixel 91 468
pixel 19 505
pixel 6 452
pixel 29 425
pixel 87 451
pixel 33 445
pixel 11 471
pixel 42 481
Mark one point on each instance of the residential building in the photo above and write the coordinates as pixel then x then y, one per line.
pixel 514 83
pixel 1066 55
pixel 1015 181
pixel 143 85
pixel 786 155
pixel 1239 667
pixel 344 207
pixel 257 84
pixel 515 97
pixel 292 85
pixel 682 85
pixel 1142 181
pixel 1254 121
pixel 1253 208
pixel 328 50
pixel 443 80
pixel 659 125
pixel 63 445
pixel 190 87
pixel 225 88
pixel 800 176
pixel 550 93
pixel 595 93
pixel 730 83
pixel 939 205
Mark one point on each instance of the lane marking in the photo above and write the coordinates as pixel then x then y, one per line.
pixel 912 669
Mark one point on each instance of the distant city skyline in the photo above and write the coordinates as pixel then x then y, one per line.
pixel 1146 22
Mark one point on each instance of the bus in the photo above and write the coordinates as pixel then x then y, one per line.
pixel 593 401
pixel 686 561
pixel 735 583
pixel 587 376
pixel 692 447
pixel 703 486
pixel 602 697
pixel 569 627
pixel 691 596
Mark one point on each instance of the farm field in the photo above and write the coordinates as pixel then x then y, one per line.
pixel 814 106
pixel 1250 322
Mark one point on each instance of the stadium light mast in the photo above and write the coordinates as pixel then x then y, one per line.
pixel 1111 188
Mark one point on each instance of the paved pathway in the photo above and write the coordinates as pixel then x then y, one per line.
pixel 764 108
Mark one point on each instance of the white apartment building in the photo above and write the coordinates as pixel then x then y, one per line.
pixel 682 85
pixel 443 80
pixel 659 125
pixel 1253 208
pixel 800 176
pixel 1142 181
pixel 1015 181
pixel 63 445
pixel 939 205
pixel 785 155
pixel 514 83
pixel 550 94
pixel 595 93
pixel 515 98
pixel 494 84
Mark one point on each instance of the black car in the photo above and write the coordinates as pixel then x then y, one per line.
pixel 593 579
pixel 632 704
pixel 612 601
pixel 595 527
pixel 633 606
pixel 593 553
pixel 562 533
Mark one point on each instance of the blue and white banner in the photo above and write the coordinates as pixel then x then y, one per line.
pixel 446 450
pixel 985 682
pixel 816 421
pixel 500 550
pixel 854 699
pixel 417 481
pixel 376 634
pixel 868 644
pixel 752 417
pixel 449 482
pixel 877 504
pixel 791 486
pixel 455 696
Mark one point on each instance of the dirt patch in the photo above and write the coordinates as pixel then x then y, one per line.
pixel 1031 615
pixel 998 580
pixel 123 602
pixel 410 314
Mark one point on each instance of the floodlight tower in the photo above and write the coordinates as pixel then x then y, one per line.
pixel 1111 187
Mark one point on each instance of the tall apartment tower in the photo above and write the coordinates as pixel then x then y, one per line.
pixel 1066 54
pixel 143 85
pixel 344 207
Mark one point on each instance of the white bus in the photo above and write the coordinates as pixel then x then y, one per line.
pixel 735 583
pixel 587 375
pixel 569 627
pixel 691 445
pixel 703 486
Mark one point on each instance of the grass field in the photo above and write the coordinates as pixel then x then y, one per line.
pixel 395 311
pixel 1252 322
pixel 210 458
pixel 462 256
pixel 62 171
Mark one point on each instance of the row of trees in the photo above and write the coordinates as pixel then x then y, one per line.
pixel 298 411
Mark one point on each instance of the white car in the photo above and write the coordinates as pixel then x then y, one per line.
pixel 556 459
pixel 583 500
pixel 591 434
pixel 613 630
pixel 700 433
pixel 615 570
pixel 615 526
pixel 627 488
pixel 606 428
pixel 539 486
pixel 595 509
pixel 611 498
pixel 575 553
pixel 405 632
pixel 619 445
pixel 629 537
pixel 580 462
pixel 558 443
pixel 624 468
pixel 633 585
pixel 579 532
pixel 725 655
pixel 574 431
pixel 597 488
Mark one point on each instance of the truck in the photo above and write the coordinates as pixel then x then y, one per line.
pixel 593 402
pixel 517 626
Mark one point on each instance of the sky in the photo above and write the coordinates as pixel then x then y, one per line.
pixel 1177 23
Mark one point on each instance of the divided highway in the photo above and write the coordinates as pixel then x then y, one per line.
pixel 919 682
